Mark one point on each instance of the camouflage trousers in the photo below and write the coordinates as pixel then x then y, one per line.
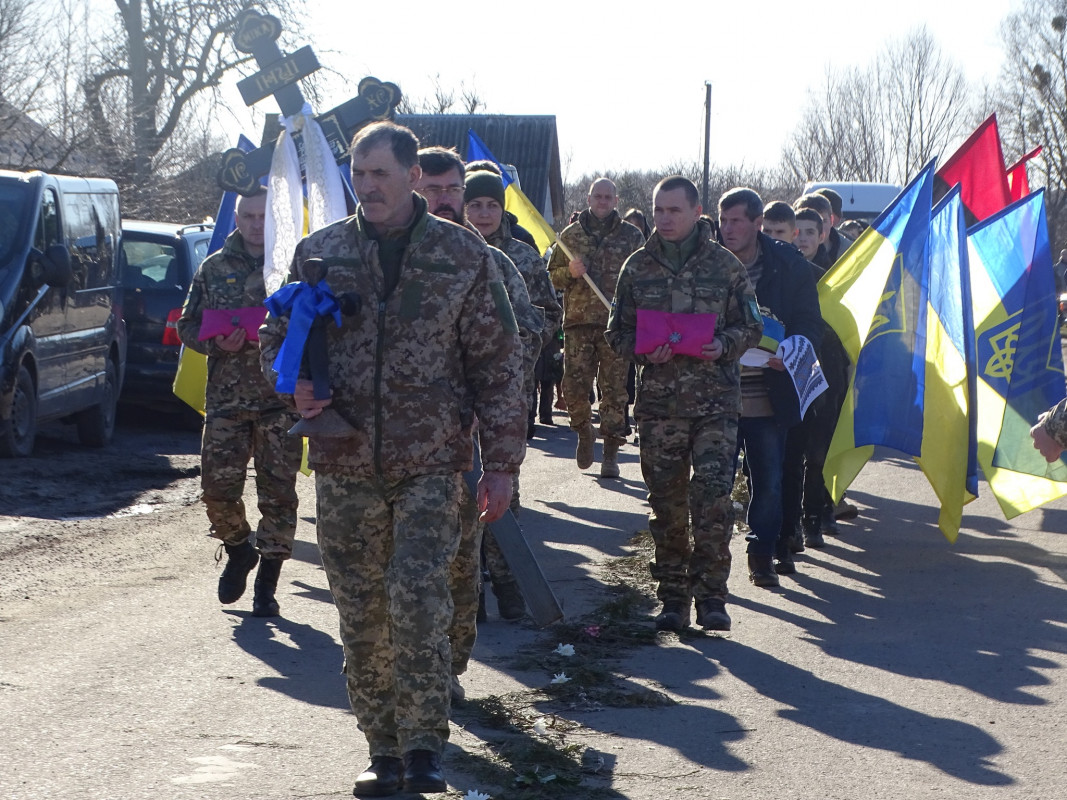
pixel 685 504
pixel 587 358
pixel 388 550
pixel 466 582
pixel 229 443
pixel 530 351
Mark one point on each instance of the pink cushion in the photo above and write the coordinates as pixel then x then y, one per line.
pixel 685 333
pixel 224 321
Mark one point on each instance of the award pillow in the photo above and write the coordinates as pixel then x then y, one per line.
pixel 224 321
pixel 685 333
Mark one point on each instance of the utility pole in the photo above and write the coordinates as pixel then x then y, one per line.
pixel 707 140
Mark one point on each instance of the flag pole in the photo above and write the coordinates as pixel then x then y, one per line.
pixel 593 286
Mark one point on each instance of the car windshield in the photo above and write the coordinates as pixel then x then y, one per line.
pixel 15 216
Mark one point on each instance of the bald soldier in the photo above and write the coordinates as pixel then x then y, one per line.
pixel 596 245
pixel 245 419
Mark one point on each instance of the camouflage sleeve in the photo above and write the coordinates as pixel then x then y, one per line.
pixel 192 317
pixel 559 266
pixel 492 364
pixel 272 334
pixel 743 326
pixel 542 293
pixel 1055 422
pixel 530 318
pixel 622 319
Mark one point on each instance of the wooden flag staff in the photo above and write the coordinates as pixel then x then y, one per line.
pixel 593 286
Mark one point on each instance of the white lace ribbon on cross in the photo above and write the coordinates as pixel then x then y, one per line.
pixel 284 224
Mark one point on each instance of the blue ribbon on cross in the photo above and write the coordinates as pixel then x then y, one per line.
pixel 303 303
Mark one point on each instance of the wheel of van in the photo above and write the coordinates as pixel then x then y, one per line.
pixel 18 431
pixel 97 424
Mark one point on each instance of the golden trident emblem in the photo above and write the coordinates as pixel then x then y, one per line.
pixel 1002 360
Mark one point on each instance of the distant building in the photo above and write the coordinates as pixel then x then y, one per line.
pixel 26 145
pixel 529 143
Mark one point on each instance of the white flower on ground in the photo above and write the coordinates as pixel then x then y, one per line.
pixel 474 794
pixel 560 678
pixel 564 650
pixel 539 727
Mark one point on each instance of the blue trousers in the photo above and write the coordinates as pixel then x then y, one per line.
pixel 763 440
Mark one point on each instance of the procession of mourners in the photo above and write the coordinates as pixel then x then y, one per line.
pixel 419 399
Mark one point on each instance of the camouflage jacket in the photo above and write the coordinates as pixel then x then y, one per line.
pixel 530 318
pixel 532 268
pixel 602 245
pixel 411 371
pixel 711 280
pixel 1055 422
pixel 230 278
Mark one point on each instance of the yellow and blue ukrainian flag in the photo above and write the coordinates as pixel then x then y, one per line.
pixel 514 200
pixel 875 299
pixel 900 301
pixel 1020 364
pixel 948 455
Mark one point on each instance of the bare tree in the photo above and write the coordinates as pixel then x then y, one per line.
pixel 884 122
pixel 926 100
pixel 163 60
pixel 635 187
pixel 444 100
pixel 39 106
pixel 840 135
pixel 1033 97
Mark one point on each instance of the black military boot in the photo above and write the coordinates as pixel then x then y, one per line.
pixel 422 772
pixel 544 406
pixel 509 600
pixel 783 558
pixel 761 570
pixel 263 602
pixel 241 558
pixel 813 532
pixel 381 779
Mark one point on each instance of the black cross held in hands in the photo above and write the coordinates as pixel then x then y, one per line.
pixel 279 75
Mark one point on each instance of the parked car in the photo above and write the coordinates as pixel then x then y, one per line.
pixel 62 341
pixel 160 260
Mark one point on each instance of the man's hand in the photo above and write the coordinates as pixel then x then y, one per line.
pixel 661 355
pixel 304 397
pixel 494 495
pixel 712 351
pixel 776 363
pixel 1045 444
pixel 232 342
pixel 577 268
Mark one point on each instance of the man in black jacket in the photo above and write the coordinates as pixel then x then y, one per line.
pixel 785 290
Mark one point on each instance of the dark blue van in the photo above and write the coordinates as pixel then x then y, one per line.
pixel 62 338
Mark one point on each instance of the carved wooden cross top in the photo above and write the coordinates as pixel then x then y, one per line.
pixel 280 75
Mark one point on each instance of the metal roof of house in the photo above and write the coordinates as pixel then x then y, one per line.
pixel 529 143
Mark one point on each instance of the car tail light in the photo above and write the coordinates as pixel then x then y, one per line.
pixel 170 333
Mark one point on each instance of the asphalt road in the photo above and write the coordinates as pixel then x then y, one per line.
pixel 893 665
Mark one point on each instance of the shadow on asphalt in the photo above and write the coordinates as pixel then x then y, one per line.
pixel 890 594
pixel 308 661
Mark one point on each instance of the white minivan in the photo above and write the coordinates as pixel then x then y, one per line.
pixel 859 201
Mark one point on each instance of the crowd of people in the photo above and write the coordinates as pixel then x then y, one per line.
pixel 444 353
